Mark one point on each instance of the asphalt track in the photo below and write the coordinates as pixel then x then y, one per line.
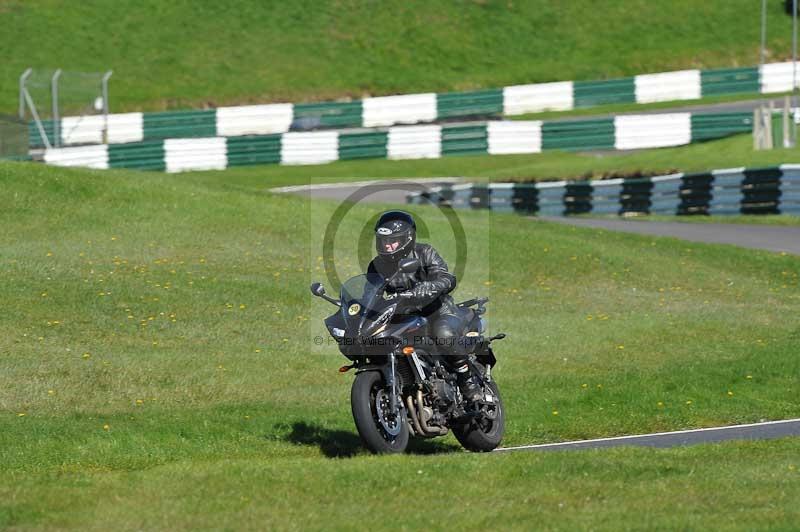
pixel 377 190
pixel 767 430
pixel 770 237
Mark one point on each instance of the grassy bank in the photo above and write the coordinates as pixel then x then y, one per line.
pixel 177 54
pixel 733 486
pixel 157 368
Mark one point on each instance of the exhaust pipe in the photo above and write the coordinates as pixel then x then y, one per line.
pixel 433 431
pixel 412 412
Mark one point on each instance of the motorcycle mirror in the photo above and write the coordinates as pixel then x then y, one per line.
pixel 408 265
pixel 317 289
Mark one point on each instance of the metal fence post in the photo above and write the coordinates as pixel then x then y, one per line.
pixel 37 121
pixel 22 79
pixel 105 105
pixel 54 97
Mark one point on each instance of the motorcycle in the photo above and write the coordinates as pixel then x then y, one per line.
pixel 404 384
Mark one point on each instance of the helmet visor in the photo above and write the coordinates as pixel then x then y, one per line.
pixel 390 244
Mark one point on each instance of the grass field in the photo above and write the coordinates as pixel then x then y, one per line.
pixel 180 54
pixel 156 369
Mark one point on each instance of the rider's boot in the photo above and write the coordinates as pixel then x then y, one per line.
pixel 468 383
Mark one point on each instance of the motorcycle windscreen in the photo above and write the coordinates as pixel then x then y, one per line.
pixel 365 308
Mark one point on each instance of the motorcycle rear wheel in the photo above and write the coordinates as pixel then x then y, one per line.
pixel 368 391
pixel 483 435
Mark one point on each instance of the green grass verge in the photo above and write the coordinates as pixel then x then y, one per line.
pixel 173 54
pixel 741 486
pixel 157 370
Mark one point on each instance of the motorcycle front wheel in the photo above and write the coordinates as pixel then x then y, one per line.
pixel 380 431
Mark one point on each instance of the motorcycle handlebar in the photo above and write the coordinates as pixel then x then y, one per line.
pixel 475 301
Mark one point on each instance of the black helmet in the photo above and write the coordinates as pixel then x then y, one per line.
pixel 395 235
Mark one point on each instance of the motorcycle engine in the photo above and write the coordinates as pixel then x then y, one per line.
pixel 442 392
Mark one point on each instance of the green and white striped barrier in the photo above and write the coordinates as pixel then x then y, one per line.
pixel 387 111
pixel 429 141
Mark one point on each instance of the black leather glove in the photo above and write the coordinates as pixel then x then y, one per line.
pixel 425 292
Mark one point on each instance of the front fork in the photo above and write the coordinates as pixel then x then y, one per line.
pixel 392 378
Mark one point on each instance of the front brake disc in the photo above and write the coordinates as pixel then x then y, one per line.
pixel 389 422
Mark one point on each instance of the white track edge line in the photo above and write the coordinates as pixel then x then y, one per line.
pixel 633 436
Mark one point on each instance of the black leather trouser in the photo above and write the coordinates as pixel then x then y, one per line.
pixel 446 331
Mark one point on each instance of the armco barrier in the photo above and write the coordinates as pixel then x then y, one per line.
pixel 427 141
pixel 719 192
pixel 418 108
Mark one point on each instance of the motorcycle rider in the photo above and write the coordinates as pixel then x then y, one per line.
pixel 430 286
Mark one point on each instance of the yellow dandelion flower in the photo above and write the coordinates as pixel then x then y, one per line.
pixel 555 412
pixel 730 393
pixel 21 414
pixel 86 356
pixel 106 426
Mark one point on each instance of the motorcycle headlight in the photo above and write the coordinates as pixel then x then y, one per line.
pixel 337 332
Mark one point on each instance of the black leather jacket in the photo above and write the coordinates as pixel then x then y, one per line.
pixel 433 270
